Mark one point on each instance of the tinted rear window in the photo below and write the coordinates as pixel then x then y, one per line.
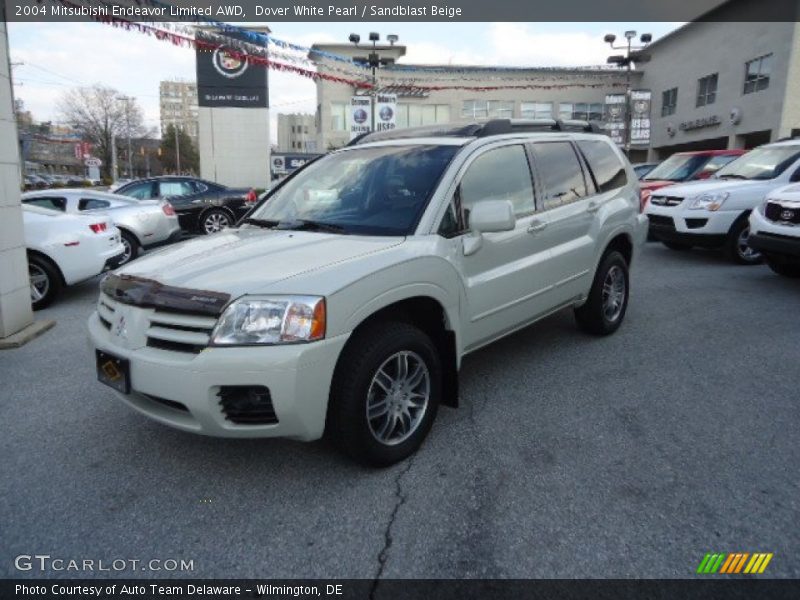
pixel 608 170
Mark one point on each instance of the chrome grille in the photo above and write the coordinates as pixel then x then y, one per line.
pixel 665 200
pixel 105 310
pixel 179 332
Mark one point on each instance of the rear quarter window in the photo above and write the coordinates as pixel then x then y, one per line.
pixel 607 168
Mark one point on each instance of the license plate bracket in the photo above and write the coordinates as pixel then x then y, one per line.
pixel 114 371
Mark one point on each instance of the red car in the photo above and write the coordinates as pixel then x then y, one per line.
pixel 685 166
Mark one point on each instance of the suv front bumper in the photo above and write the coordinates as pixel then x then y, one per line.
pixel 298 378
pixel 692 227
pixel 777 241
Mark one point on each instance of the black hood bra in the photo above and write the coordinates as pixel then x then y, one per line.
pixel 146 293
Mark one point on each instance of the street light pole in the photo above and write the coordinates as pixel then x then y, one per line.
pixel 128 127
pixel 375 61
pixel 632 53
pixel 177 151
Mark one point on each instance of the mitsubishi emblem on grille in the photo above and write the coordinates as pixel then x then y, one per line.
pixel 120 329
pixel 787 215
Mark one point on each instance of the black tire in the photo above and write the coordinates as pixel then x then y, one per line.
pixel 677 246
pixel 48 285
pixel 370 350
pixel 214 220
pixel 741 255
pixel 132 247
pixel 785 269
pixel 596 316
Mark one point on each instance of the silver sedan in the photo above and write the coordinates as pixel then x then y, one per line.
pixel 142 223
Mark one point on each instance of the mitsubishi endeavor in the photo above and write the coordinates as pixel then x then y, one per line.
pixel 346 299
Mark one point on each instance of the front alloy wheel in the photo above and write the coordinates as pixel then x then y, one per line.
pixel 737 246
pixel 385 392
pixel 398 397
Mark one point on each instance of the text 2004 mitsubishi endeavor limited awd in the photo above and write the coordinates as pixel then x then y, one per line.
pixel 346 300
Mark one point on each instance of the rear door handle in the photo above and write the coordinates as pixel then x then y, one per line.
pixel 593 206
pixel 537 226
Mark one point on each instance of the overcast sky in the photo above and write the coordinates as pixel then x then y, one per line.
pixel 57 56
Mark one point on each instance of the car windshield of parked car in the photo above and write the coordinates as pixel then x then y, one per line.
pixel 761 163
pixel 367 191
pixel 678 167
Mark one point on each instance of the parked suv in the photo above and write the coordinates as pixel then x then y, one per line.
pixel 714 213
pixel 346 300
pixel 775 230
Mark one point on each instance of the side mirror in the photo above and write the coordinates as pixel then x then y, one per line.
pixel 488 216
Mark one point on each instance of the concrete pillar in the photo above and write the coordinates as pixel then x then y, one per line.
pixel 15 299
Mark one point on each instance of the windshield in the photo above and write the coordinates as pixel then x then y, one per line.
pixel 761 163
pixel 678 167
pixel 368 191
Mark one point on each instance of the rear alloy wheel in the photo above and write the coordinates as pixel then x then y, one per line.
pixel 131 248
pixel 737 247
pixel 604 310
pixel 45 282
pixel 216 220
pixel 385 393
pixel 785 269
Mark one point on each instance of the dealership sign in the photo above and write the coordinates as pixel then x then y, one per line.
pixel 359 121
pixel 93 162
pixel 711 121
pixel 615 117
pixel 640 117
pixel 226 78
pixel 385 112
pixel 286 163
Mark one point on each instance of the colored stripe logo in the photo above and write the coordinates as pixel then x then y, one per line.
pixel 734 562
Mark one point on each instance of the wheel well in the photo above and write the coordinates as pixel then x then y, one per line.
pixel 427 314
pixel 130 233
pixel 745 215
pixel 50 261
pixel 622 244
pixel 222 208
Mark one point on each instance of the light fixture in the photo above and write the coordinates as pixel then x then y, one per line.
pixel 646 38
pixel 374 37
pixel 355 38
pixel 630 34
pixel 610 38
pixel 392 38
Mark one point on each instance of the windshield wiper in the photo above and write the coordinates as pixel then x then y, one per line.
pixel 309 225
pixel 732 176
pixel 269 224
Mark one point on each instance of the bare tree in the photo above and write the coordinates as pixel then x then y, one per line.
pixel 102 114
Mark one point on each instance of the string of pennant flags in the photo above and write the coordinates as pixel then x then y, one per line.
pixel 254 48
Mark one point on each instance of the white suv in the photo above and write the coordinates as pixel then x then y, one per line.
pixel 775 230
pixel 347 298
pixel 714 213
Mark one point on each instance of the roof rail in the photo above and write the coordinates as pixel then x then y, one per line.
pixel 481 129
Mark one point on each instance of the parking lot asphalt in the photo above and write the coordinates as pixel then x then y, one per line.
pixel 571 456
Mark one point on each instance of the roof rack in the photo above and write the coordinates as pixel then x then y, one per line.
pixel 482 129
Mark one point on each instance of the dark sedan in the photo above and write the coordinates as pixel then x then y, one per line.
pixel 201 205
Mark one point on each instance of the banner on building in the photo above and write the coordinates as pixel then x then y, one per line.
pixel 385 112
pixel 359 118
pixel 225 78
pixel 615 117
pixel 640 117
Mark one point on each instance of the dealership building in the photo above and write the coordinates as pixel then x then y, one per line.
pixel 713 85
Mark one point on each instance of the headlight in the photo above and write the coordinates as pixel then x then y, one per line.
pixel 271 320
pixel 710 202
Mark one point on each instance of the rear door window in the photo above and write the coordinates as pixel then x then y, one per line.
pixel 560 172
pixel 607 169
pixel 140 191
pixel 92 204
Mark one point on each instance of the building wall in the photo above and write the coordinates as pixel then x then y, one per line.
pixel 565 86
pixel 703 48
pixel 15 299
pixel 178 104
pixel 790 118
pixel 235 147
pixel 297 133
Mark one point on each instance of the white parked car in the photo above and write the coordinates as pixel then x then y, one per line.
pixel 66 249
pixel 714 213
pixel 142 223
pixel 775 230
pixel 347 301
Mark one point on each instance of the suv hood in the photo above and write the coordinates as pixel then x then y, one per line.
pixel 695 188
pixel 247 261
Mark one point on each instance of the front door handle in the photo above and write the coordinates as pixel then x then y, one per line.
pixel 536 226
pixel 593 206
